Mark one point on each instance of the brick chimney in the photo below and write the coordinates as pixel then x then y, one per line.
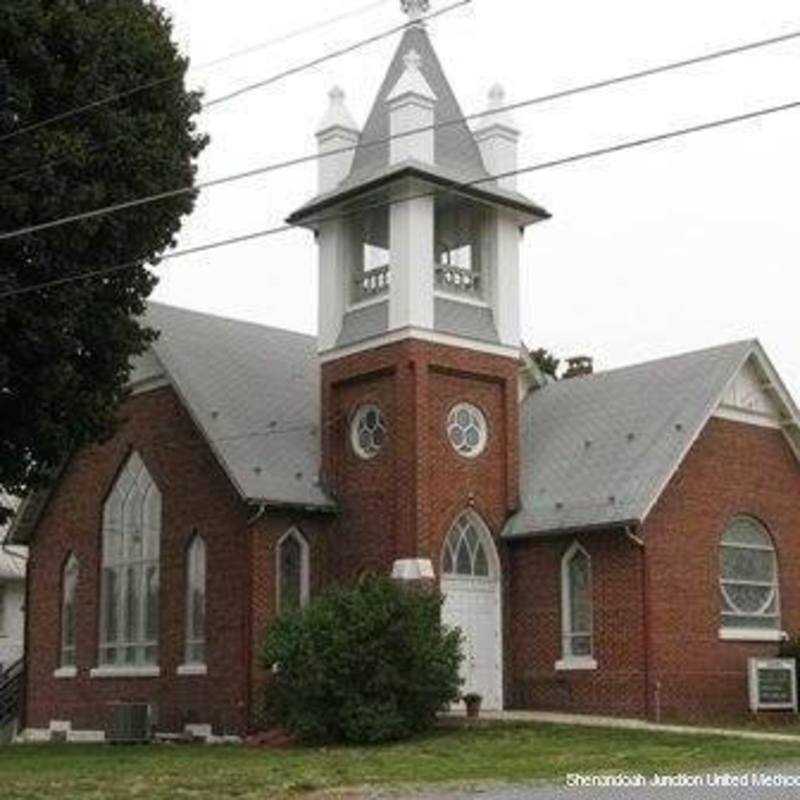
pixel 579 367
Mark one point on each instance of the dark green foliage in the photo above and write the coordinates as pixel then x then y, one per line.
pixel 65 351
pixel 546 362
pixel 790 648
pixel 363 665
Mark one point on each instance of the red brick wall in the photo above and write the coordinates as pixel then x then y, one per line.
pixel 733 469
pixel 402 503
pixel 195 494
pixel 534 644
pixel 263 540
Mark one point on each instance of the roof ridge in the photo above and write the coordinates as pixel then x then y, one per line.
pixel 675 356
pixel 225 318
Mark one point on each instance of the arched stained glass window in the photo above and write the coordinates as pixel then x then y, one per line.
pixel 196 601
pixel 293 571
pixel 69 586
pixel 131 570
pixel 749 577
pixel 576 610
pixel 464 551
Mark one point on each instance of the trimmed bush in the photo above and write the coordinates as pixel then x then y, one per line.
pixel 362 665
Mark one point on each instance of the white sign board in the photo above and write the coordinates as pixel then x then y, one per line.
pixel 773 684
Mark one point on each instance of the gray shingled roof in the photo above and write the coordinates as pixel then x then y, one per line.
pixel 361 324
pixel 464 319
pixel 599 450
pixel 254 393
pixel 455 148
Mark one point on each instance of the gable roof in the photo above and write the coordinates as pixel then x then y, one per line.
pixel 599 451
pixel 254 393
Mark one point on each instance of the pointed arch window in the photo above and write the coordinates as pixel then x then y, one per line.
pixel 196 601
pixel 749 578
pixel 577 610
pixel 69 586
pixel 131 570
pixel 464 552
pixel 292 571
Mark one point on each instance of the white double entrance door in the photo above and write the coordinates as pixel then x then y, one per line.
pixel 473 605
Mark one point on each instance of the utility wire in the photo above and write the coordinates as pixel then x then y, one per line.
pixel 179 76
pixel 377 142
pixel 328 57
pixel 207 65
pixel 584 156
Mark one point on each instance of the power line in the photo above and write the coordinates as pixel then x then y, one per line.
pixel 179 76
pixel 207 65
pixel 584 156
pixel 322 59
pixel 649 72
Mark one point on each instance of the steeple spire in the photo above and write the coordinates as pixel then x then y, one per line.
pixel 416 10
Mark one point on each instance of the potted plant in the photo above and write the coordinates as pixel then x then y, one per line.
pixel 473 703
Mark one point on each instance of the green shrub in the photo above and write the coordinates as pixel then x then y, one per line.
pixel 362 665
pixel 790 648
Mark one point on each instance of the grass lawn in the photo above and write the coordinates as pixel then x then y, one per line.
pixel 488 753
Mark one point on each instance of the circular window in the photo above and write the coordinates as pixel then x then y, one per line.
pixel 368 432
pixel 467 430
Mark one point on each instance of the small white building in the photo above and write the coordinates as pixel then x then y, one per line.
pixel 12 598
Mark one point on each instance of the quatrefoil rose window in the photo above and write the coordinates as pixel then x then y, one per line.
pixel 368 432
pixel 467 430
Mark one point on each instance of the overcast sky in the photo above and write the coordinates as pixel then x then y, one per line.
pixel 650 252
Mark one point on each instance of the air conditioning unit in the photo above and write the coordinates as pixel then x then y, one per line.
pixel 131 723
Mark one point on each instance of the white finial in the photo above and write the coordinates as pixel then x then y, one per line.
pixel 413 60
pixel 337 115
pixel 416 9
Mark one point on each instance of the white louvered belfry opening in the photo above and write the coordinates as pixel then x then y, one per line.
pixel 470 584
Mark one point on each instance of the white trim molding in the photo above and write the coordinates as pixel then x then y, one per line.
pixel 576 663
pixel 63 673
pixel 752 635
pixel 125 672
pixel 192 669
pixel 422 334
pixel 441 294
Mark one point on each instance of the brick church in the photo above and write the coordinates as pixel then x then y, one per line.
pixel 617 543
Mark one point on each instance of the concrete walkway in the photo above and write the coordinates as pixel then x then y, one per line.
pixel 626 724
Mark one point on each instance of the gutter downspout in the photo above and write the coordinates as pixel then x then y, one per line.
pixel 639 542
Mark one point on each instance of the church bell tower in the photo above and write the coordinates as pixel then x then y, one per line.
pixel 418 223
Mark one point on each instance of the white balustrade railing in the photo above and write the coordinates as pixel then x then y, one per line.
pixel 373 283
pixel 458 279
